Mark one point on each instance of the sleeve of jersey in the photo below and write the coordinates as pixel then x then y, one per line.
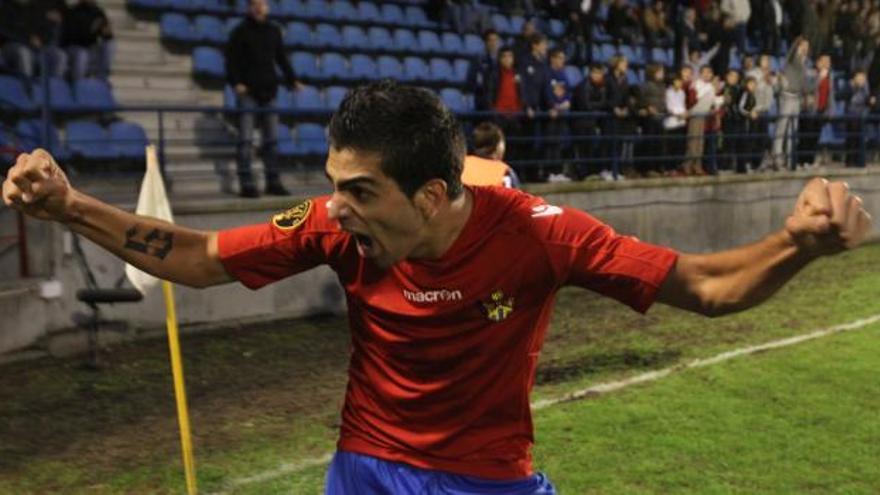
pixel 590 254
pixel 291 242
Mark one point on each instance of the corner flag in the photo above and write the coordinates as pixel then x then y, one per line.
pixel 153 202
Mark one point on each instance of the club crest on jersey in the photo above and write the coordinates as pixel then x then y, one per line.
pixel 499 308
pixel 294 217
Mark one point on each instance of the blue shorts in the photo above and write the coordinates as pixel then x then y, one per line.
pixel 358 474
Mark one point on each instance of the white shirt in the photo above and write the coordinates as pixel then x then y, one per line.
pixel 676 107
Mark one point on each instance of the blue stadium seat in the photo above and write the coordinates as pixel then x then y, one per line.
pixel 230 99
pixel 208 62
pixel 311 139
pixel 574 75
pixel 354 37
pixel 631 77
pixel 557 28
pixel 181 5
pixel 176 27
pixel 392 14
pixel 658 56
pixel 344 11
pixel 502 24
pixel 308 98
pixel 284 99
pixel 60 94
pixel 286 145
pixel 129 139
pixel 516 23
pixel 209 28
pixel 334 66
pixel 628 52
pixel 460 70
pixel 30 134
pixel 232 23
pixel 147 4
pixel 380 38
pixel 405 39
pixel 219 7
pixel 415 69
pixel 452 44
pixel 441 70
pixel 608 52
pixel 333 96
pixel 317 9
pixel 363 67
pixel 390 68
pixel 368 11
pixel 453 99
pixel 94 94
pixel 292 8
pixel 415 16
pixel 298 34
pixel 90 141
pixel 429 42
pixel 473 45
pixel 305 65
pixel 327 36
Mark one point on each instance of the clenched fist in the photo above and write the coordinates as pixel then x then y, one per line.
pixel 37 186
pixel 827 218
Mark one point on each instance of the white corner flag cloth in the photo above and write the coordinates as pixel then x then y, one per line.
pixel 152 202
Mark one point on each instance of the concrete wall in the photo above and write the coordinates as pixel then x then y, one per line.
pixel 689 215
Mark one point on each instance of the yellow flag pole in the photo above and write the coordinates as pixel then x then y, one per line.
pixel 179 390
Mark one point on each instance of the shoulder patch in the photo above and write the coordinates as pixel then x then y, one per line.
pixel 294 217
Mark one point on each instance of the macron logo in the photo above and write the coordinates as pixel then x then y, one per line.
pixel 545 211
pixel 431 296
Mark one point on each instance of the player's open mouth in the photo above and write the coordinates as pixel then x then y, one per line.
pixel 365 244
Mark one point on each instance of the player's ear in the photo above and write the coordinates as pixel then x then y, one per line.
pixel 430 197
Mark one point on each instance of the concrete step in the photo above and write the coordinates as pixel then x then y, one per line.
pixel 170 67
pixel 165 81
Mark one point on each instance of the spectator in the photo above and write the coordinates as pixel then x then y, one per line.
pixel 558 95
pixel 764 100
pixel 794 87
pixel 481 70
pixel 674 125
pixel 689 38
pixel 701 108
pixel 25 28
pixel 748 64
pixel 590 96
pixel 739 12
pixel 88 38
pixel 485 166
pixel 652 109
pixel 657 31
pixel 720 32
pixel 818 110
pixel 533 72
pixel 696 59
pixel 581 17
pixel 621 123
pixel 622 23
pixel 732 123
pixel 505 93
pixel 860 103
pixel 712 127
pixel 254 50
pixel 772 14
pixel 749 151
pixel 522 46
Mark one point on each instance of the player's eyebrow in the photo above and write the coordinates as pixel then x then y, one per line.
pixel 349 183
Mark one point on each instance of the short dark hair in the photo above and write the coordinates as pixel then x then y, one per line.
pixel 417 137
pixel 486 137
pixel 537 38
pixel 490 32
pixel 557 51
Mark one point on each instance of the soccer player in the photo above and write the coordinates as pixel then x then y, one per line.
pixel 449 288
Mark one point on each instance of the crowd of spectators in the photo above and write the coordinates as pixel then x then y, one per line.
pixel 740 67
pixel 77 38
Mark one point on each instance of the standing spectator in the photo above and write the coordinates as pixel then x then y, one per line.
pixel 481 70
pixel 254 50
pixel 652 109
pixel 88 38
pixel 818 110
pixel 657 31
pixel 703 104
pixel 675 124
pixel 522 45
pixel 764 101
pixel 772 27
pixel 622 24
pixel 533 70
pixel 688 36
pixel 25 29
pixel 558 95
pixel 739 12
pixel 860 102
pixel 591 96
pixel 505 93
pixel 581 17
pixel 720 32
pixel 695 59
pixel 748 152
pixel 622 123
pixel 485 166
pixel 794 86
pixel 732 125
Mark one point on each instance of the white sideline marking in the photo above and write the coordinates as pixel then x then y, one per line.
pixel 594 391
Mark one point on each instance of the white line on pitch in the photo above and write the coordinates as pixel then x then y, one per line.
pixel 594 391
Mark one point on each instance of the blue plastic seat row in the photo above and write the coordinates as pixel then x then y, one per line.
pixel 376 38
pixel 311 10
pixel 86 139
pixel 93 94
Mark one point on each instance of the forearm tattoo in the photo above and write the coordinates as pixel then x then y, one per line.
pixel 156 242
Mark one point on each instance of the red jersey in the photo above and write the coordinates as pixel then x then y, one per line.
pixel 444 351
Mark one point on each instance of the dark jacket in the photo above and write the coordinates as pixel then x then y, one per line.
pixel 480 71
pixel 589 97
pixel 534 74
pixel 84 25
pixel 253 50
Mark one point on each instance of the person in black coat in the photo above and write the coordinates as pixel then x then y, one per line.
pixel 591 95
pixel 87 36
pixel 482 69
pixel 254 49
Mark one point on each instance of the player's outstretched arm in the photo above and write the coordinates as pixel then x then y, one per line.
pixel 827 219
pixel 37 186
